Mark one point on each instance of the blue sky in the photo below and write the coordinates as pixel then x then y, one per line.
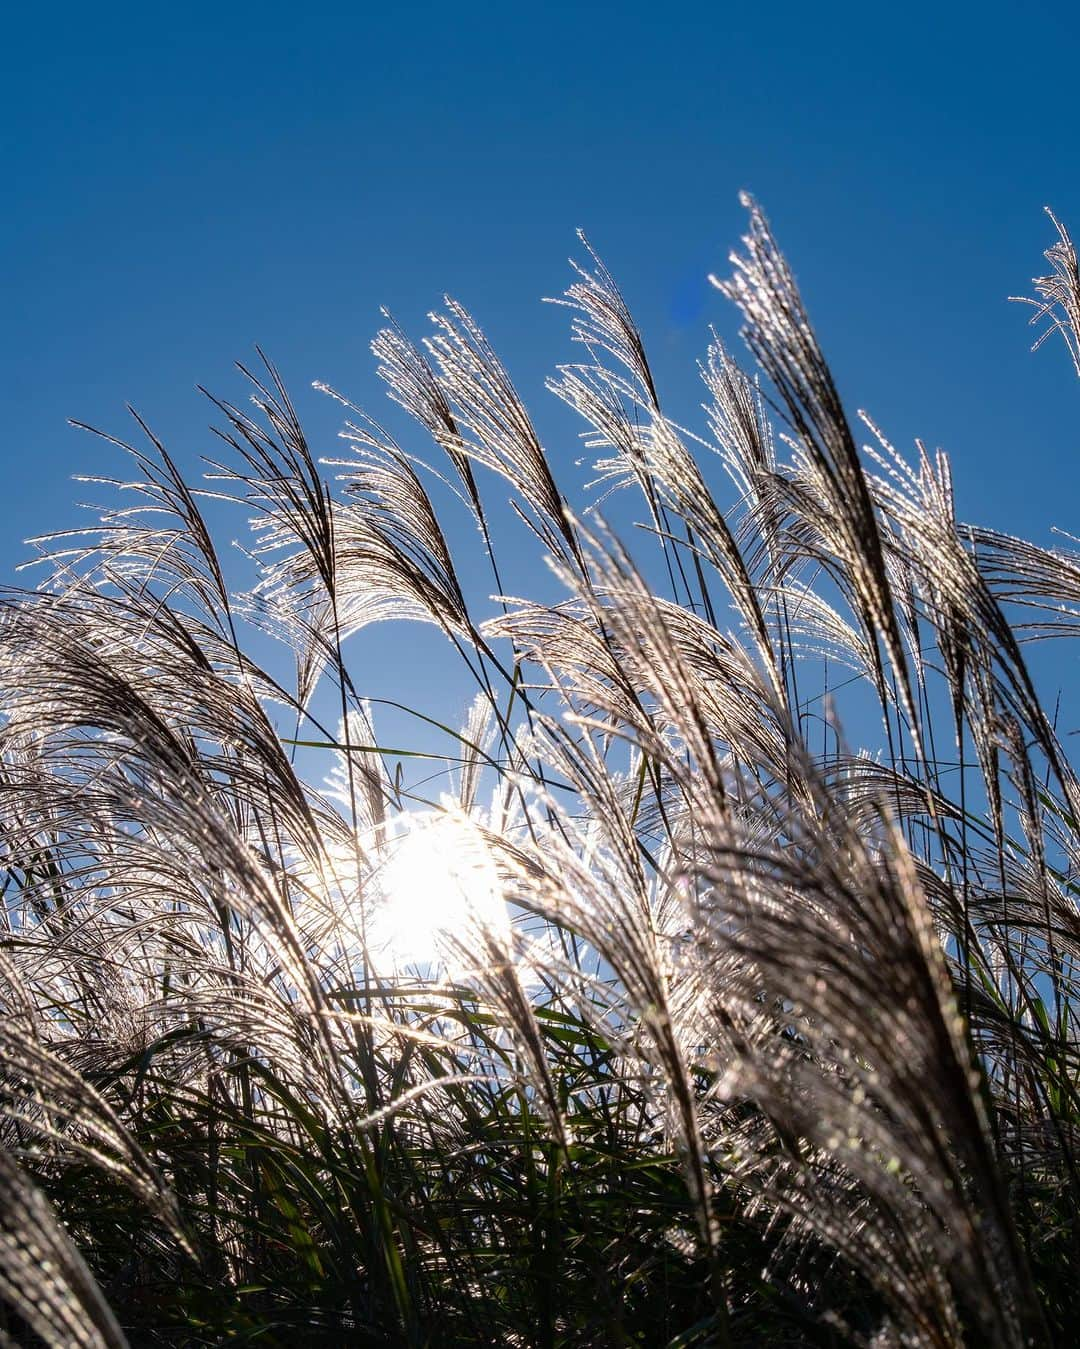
pixel 182 182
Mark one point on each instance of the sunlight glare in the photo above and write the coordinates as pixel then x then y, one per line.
pixel 438 882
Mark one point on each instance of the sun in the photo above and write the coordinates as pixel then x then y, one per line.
pixel 436 886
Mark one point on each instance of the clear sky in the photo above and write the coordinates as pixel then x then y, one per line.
pixel 184 181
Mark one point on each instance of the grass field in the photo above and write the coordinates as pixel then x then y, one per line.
pixel 725 993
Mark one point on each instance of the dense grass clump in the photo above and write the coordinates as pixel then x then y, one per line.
pixel 743 1037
